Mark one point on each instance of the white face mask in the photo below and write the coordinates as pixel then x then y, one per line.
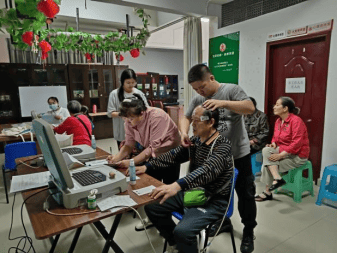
pixel 54 106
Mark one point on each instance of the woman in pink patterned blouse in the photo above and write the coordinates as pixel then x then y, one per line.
pixel 155 131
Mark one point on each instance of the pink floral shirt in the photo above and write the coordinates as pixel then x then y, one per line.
pixel 157 132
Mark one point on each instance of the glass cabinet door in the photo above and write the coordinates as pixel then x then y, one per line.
pixel 108 81
pixel 22 76
pixel 77 84
pixel 93 83
pixel 59 76
pixel 41 77
pixel 94 86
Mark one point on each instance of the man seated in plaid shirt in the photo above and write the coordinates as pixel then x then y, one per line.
pixel 210 169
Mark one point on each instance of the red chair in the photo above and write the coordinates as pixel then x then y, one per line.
pixel 158 103
pixel 150 103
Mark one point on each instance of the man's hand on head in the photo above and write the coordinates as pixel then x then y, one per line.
pixel 213 104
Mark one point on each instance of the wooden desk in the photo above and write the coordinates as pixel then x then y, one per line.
pixel 46 225
pixel 5 138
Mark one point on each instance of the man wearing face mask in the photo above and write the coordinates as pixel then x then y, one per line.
pixel 57 111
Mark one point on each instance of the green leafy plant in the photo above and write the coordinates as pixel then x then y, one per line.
pixel 60 39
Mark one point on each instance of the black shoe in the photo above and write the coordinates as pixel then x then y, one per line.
pixel 247 243
pixel 226 227
pixel 279 183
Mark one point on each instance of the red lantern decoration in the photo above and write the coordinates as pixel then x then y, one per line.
pixel 135 52
pixel 45 46
pixel 119 57
pixel 27 38
pixel 48 7
pixel 44 55
pixel 88 56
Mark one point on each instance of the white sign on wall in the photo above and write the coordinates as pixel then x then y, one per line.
pixel 295 85
pixel 277 35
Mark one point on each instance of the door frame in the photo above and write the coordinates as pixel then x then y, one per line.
pixel 268 83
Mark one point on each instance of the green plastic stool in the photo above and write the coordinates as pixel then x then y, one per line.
pixel 297 184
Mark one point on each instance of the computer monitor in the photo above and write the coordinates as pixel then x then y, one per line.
pixel 52 154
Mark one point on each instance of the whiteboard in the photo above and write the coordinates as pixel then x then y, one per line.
pixel 35 98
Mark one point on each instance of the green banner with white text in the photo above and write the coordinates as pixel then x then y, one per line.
pixel 224 57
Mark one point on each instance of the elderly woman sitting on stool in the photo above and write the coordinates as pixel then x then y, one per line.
pixel 289 147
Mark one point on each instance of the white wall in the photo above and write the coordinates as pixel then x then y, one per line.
pixel 168 38
pixel 190 7
pixel 253 39
pixel 4 57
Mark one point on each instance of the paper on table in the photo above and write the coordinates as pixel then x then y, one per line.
pixel 30 181
pixel 96 162
pixel 112 202
pixel 128 179
pixel 70 160
pixel 50 119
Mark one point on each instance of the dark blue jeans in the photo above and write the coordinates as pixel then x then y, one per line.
pixel 245 189
pixel 195 219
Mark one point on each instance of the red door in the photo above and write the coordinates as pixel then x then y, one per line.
pixel 305 56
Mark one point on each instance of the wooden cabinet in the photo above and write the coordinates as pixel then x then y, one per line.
pixel 91 85
pixel 159 87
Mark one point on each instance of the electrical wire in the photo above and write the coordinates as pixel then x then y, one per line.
pixel 147 235
pixel 30 166
pixel 207 6
pixel 46 207
pixel 24 238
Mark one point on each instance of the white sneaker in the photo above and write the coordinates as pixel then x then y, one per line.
pixel 147 222
pixel 171 249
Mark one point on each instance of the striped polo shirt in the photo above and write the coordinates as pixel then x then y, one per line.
pixel 210 171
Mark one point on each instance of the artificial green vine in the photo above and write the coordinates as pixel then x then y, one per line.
pixel 68 39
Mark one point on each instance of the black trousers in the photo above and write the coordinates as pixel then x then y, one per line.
pixel 245 189
pixel 168 175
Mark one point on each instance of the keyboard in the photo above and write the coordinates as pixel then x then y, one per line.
pixel 72 151
pixel 89 177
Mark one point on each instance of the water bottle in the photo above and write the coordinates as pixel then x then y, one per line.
pixel 93 142
pixel 132 172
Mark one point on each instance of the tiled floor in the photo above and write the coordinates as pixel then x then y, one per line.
pixel 283 226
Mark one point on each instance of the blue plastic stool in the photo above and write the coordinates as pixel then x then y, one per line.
pixel 256 166
pixel 13 151
pixel 328 191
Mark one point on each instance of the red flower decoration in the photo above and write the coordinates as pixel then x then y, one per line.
pixel 135 52
pixel 88 56
pixel 27 38
pixel 119 57
pixel 44 55
pixel 48 7
pixel 45 46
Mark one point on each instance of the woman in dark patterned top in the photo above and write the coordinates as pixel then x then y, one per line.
pixel 210 168
pixel 257 128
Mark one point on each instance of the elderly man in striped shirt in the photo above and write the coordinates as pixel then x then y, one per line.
pixel 211 167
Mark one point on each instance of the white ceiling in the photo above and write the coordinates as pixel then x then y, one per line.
pixel 221 1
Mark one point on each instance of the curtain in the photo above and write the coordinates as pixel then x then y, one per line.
pixel 55 57
pixel 192 53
